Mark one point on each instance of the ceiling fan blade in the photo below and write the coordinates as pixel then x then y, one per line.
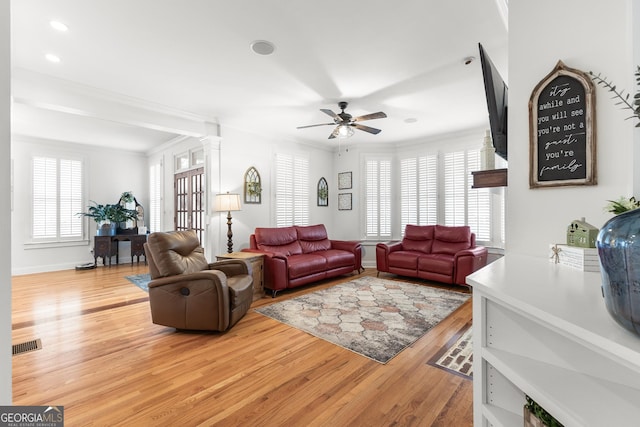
pixel 367 128
pixel 331 113
pixel 378 115
pixel 311 126
pixel 334 133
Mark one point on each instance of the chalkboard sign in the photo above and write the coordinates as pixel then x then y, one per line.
pixel 562 146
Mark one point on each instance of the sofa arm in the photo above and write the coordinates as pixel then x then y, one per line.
pixel 382 254
pixel 276 269
pixel 352 246
pixel 467 261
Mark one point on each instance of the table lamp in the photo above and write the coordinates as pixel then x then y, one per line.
pixel 228 202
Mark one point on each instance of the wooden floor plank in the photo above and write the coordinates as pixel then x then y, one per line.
pixel 107 364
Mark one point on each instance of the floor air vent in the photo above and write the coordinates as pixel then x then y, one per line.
pixel 27 346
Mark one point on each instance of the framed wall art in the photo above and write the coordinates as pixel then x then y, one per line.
pixel 323 192
pixel 344 201
pixel 562 122
pixel 252 186
pixel 344 181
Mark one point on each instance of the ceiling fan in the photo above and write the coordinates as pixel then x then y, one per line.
pixel 346 123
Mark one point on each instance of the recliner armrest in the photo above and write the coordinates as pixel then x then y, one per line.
pixel 477 251
pixel 345 245
pixel 231 267
pixel 216 276
pixel 390 247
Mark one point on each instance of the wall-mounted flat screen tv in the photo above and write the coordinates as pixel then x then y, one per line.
pixel 497 95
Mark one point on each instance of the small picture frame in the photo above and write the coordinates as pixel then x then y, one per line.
pixel 344 181
pixel 344 202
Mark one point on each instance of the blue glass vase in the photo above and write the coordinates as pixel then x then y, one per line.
pixel 618 246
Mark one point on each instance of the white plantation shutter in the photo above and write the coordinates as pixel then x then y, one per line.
pixel 57 198
pixel 155 197
pixel 465 205
pixel 408 192
pixel 292 190
pixel 378 198
pixel 70 198
pixel 455 182
pixel 478 201
pixel 418 191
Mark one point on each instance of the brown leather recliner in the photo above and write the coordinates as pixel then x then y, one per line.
pixel 187 292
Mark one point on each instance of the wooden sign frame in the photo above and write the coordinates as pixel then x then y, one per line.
pixel 562 130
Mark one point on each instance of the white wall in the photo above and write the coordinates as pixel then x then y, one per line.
pixel 591 36
pixel 108 174
pixel 239 151
pixel 5 209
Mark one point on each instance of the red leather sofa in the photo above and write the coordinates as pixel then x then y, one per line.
pixel 433 252
pixel 295 256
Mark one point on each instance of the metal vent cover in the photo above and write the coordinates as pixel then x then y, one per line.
pixel 27 346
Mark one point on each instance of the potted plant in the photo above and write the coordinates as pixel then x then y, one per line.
pixel 108 216
pixel 623 97
pixel 536 416
pixel 617 242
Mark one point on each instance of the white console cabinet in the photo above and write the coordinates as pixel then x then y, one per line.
pixel 543 330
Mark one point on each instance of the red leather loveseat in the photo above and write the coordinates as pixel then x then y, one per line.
pixel 295 256
pixel 433 252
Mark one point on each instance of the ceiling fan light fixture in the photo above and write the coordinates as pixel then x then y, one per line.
pixel 344 131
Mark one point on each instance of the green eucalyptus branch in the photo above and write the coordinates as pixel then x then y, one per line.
pixel 621 95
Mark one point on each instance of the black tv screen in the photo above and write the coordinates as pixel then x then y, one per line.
pixel 497 95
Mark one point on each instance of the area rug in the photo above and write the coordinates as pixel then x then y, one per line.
pixel 457 355
pixel 140 280
pixel 373 317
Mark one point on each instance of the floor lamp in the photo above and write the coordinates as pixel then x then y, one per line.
pixel 228 202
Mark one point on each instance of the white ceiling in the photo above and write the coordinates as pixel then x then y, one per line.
pixel 136 73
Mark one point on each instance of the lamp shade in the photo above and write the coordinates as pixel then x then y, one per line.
pixel 227 202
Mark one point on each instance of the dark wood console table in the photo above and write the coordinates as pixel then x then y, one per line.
pixel 107 246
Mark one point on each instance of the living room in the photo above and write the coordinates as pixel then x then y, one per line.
pixel 535 217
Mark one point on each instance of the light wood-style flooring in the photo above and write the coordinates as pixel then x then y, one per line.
pixel 108 365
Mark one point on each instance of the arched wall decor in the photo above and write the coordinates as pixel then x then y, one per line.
pixel 252 186
pixel 323 192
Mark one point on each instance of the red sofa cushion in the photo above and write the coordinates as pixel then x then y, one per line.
pixel 451 240
pixel 436 263
pixel 305 265
pixel 404 259
pixel 338 258
pixel 418 238
pixel 313 238
pixel 282 241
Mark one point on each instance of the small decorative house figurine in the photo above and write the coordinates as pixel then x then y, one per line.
pixel 581 234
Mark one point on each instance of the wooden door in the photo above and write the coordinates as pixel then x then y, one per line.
pixel 190 201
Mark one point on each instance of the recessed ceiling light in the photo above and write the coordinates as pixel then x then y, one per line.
pixel 262 47
pixel 410 120
pixel 57 25
pixel 468 60
pixel 52 58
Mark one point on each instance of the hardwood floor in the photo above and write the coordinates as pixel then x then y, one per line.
pixel 107 364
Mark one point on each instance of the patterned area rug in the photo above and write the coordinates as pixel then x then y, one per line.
pixel 456 357
pixel 373 317
pixel 140 280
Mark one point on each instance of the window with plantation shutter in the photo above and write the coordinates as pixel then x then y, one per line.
pixel 418 191
pixel 155 197
pixel 57 197
pixel 464 205
pixel 378 198
pixel 292 190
